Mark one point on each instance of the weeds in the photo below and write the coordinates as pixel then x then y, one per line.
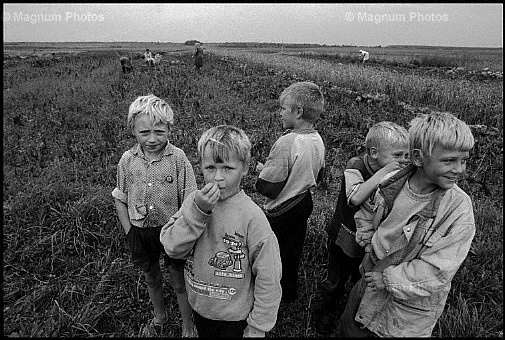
pixel 67 268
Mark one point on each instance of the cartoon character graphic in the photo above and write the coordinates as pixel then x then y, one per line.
pixel 233 257
pixel 221 260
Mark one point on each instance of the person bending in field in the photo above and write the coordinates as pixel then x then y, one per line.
pixel 386 151
pixel 233 266
pixel 126 64
pixel 295 164
pixel 424 226
pixel 153 178
pixel 364 56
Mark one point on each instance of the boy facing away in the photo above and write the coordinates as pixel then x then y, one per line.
pixel 426 226
pixel 294 165
pixel 233 266
pixel 386 146
pixel 153 178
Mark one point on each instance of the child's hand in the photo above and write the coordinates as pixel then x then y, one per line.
pixel 207 197
pixel 368 248
pixel 364 238
pixel 395 165
pixel 374 280
pixel 259 166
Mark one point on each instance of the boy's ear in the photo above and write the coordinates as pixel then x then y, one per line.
pixel 299 112
pixel 374 152
pixel 417 157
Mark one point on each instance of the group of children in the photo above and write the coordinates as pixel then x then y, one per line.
pixel 400 231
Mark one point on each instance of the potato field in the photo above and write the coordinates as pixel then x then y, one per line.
pixel 67 269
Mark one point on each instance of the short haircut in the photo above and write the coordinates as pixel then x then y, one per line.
pixel 226 141
pixel 155 108
pixel 427 130
pixel 385 134
pixel 308 96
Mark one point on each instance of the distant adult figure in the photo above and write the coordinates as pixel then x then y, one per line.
pixel 198 55
pixel 126 64
pixel 148 56
pixel 364 56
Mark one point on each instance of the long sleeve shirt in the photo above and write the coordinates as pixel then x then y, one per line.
pixel 233 266
pixel 420 263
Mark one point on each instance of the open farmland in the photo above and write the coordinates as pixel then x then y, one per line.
pixel 66 265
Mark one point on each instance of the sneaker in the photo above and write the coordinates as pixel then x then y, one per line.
pixel 325 323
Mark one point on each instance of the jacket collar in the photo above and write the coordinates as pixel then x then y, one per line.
pixel 390 189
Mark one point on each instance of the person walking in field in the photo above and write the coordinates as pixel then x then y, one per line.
pixel 424 226
pixel 153 179
pixel 198 55
pixel 295 165
pixel 386 149
pixel 364 56
pixel 233 266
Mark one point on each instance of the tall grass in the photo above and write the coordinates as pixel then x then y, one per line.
pixel 67 268
pixel 481 104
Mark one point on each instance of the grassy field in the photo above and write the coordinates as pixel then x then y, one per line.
pixel 67 269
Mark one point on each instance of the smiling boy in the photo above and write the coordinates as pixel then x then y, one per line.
pixel 425 227
pixel 233 265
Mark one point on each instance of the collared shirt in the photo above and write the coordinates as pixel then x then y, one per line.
pixel 153 190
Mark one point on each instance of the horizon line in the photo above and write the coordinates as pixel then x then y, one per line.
pixel 250 42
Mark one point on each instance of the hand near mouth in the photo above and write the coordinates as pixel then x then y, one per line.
pixel 207 197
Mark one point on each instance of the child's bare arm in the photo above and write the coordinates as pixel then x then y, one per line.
pixel 122 213
pixel 366 188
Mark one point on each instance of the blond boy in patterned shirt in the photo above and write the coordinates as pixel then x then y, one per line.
pixel 153 179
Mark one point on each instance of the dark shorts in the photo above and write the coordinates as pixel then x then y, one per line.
pixel 208 328
pixel 146 248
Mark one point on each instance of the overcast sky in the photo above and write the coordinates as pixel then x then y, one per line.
pixel 469 25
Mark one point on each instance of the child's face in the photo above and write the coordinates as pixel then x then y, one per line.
pixel 151 137
pixel 443 167
pixel 227 174
pixel 288 116
pixel 398 152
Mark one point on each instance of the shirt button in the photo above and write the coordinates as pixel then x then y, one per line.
pixel 387 251
pixel 151 207
pixel 408 229
pixel 149 184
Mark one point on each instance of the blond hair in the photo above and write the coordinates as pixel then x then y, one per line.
pixel 385 133
pixel 306 95
pixel 442 128
pixel 155 108
pixel 226 141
